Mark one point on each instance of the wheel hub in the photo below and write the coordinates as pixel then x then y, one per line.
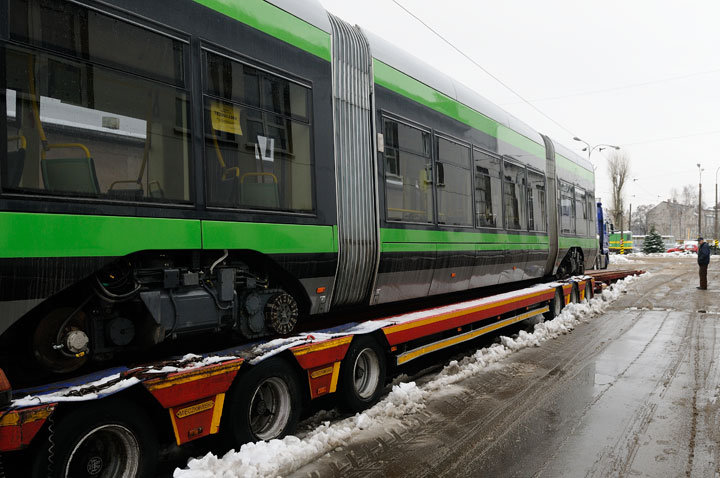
pixel 76 341
pixel 281 312
pixel 94 465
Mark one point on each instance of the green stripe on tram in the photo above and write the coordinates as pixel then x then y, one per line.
pixel 275 22
pixel 585 243
pixel 67 235
pixel 399 82
pixel 413 240
pixel 574 168
pixel 269 238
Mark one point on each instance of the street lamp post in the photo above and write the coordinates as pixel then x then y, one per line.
pixel 716 208
pixel 700 170
pixel 590 149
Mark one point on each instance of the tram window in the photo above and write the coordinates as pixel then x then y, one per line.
pixel 257 139
pixel 79 129
pixel 488 190
pixel 581 211
pixel 89 35
pixel 514 193
pixel 454 184
pixel 240 83
pixel 567 208
pixel 537 214
pixel 408 173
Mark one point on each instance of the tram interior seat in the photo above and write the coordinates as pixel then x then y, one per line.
pixel 70 175
pixel 259 194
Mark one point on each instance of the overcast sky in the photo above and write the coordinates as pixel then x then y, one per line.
pixel 644 75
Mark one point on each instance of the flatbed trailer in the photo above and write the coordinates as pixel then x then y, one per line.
pixel 110 423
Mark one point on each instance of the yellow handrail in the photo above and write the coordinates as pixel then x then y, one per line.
pixel 242 178
pixel 23 141
pixel 36 114
pixel 65 145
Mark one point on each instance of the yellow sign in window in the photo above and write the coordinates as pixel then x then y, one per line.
pixel 225 118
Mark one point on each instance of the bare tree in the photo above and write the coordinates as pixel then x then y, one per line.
pixel 619 171
pixel 639 219
pixel 689 195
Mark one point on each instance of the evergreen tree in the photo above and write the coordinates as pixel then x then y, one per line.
pixel 653 242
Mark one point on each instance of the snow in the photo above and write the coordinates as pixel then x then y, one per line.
pixel 626 258
pixel 114 383
pixel 79 393
pixel 281 457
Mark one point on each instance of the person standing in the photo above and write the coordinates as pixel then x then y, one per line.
pixel 703 261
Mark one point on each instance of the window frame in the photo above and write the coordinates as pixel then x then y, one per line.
pixel 509 159
pixel 185 88
pixel 435 147
pixel 388 116
pixel 499 222
pixel 265 69
pixel 578 220
pixel 543 207
pixel 573 212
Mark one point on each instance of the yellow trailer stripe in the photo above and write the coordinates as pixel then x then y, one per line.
pixel 441 344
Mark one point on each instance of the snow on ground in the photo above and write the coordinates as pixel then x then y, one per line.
pixel 626 258
pixel 281 457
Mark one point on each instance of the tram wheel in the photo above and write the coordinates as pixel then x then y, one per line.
pixel 69 325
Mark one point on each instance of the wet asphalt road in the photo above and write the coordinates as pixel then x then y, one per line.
pixel 633 392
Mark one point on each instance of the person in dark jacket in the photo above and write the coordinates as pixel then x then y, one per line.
pixel 703 261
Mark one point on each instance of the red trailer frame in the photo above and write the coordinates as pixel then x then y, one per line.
pixel 194 392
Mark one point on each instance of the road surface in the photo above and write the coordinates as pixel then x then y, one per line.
pixel 633 392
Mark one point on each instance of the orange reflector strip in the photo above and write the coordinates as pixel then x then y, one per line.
pixel 452 274
pixel 320 290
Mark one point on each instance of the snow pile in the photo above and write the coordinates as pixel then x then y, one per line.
pixel 618 259
pixel 279 457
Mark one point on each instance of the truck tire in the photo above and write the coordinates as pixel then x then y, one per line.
pixel 362 374
pixel 589 292
pixel 263 404
pixel 556 305
pixel 575 294
pixel 108 438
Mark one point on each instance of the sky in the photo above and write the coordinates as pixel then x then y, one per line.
pixel 640 74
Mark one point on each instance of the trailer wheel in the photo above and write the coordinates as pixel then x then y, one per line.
pixel 264 404
pixel 556 305
pixel 589 292
pixel 102 439
pixel 575 294
pixel 362 374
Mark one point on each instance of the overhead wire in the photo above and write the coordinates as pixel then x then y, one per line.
pixel 465 55
pixel 629 86
pixel 545 115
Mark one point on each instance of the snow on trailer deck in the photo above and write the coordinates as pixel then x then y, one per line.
pixel 193 387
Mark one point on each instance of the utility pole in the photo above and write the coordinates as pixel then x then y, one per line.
pixel 699 200
pixel 716 208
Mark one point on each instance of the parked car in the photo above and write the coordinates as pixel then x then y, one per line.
pixel 687 246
